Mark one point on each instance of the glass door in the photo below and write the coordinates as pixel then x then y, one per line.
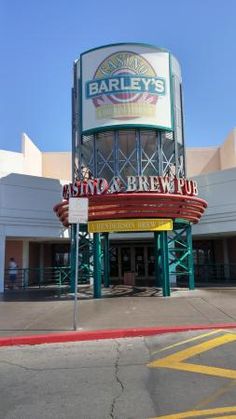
pixel 150 261
pixel 125 260
pixel 61 254
pixel 139 262
pixel 114 262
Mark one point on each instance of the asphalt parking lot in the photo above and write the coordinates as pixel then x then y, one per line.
pixel 177 375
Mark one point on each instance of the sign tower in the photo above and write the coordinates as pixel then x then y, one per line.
pixel 129 156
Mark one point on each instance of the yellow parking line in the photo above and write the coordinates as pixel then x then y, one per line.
pixel 199 413
pixel 201 369
pixel 187 341
pixel 197 349
pixel 175 361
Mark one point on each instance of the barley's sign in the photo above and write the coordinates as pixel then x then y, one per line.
pixel 126 84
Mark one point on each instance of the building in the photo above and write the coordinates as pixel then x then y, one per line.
pixel 31 183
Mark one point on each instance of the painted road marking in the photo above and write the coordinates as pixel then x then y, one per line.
pixel 219 411
pixel 175 361
pixel 187 341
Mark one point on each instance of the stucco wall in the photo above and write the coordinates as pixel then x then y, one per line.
pixel 218 189
pixel 202 160
pixel 56 165
pixel 26 211
pixel 29 161
pixel 14 248
pixel 228 151
pixel 11 162
pixel 32 157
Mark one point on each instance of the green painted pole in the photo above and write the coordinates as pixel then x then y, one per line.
pixel 190 258
pixel 97 265
pixel 73 257
pixel 165 264
pixel 106 261
pixel 157 256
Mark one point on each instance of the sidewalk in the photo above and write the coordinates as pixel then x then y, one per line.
pixel 25 313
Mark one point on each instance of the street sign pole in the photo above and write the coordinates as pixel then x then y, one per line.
pixel 78 214
pixel 75 311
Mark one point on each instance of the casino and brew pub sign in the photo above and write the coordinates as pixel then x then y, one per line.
pixel 126 85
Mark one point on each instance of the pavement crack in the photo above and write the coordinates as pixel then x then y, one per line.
pixel 118 380
pixel 80 367
pixel 219 308
pixel 14 364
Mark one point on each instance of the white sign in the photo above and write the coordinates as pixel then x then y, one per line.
pixel 78 210
pixel 127 84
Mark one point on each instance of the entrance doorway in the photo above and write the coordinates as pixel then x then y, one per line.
pixel 61 254
pixel 138 259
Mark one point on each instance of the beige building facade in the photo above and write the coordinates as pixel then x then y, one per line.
pixel 203 160
pixel 31 184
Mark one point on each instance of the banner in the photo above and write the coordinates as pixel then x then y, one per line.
pixel 144 224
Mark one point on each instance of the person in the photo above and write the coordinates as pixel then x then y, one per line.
pixel 12 268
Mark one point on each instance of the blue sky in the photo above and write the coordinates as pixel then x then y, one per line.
pixel 39 40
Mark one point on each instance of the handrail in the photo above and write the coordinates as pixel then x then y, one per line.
pixel 215 272
pixel 38 277
pixel 60 276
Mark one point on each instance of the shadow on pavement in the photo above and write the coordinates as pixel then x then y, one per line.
pixel 84 293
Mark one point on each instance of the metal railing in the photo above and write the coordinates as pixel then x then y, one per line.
pixel 60 276
pixel 215 273
pixel 56 276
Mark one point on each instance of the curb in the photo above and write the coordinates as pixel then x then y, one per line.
pixel 105 334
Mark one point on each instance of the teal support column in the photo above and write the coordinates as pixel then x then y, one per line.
pixel 106 260
pixel 157 256
pixel 72 257
pixel 165 264
pixel 97 265
pixel 190 258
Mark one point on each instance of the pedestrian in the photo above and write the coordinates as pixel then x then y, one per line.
pixel 12 269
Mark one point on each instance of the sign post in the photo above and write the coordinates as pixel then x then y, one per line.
pixel 78 214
